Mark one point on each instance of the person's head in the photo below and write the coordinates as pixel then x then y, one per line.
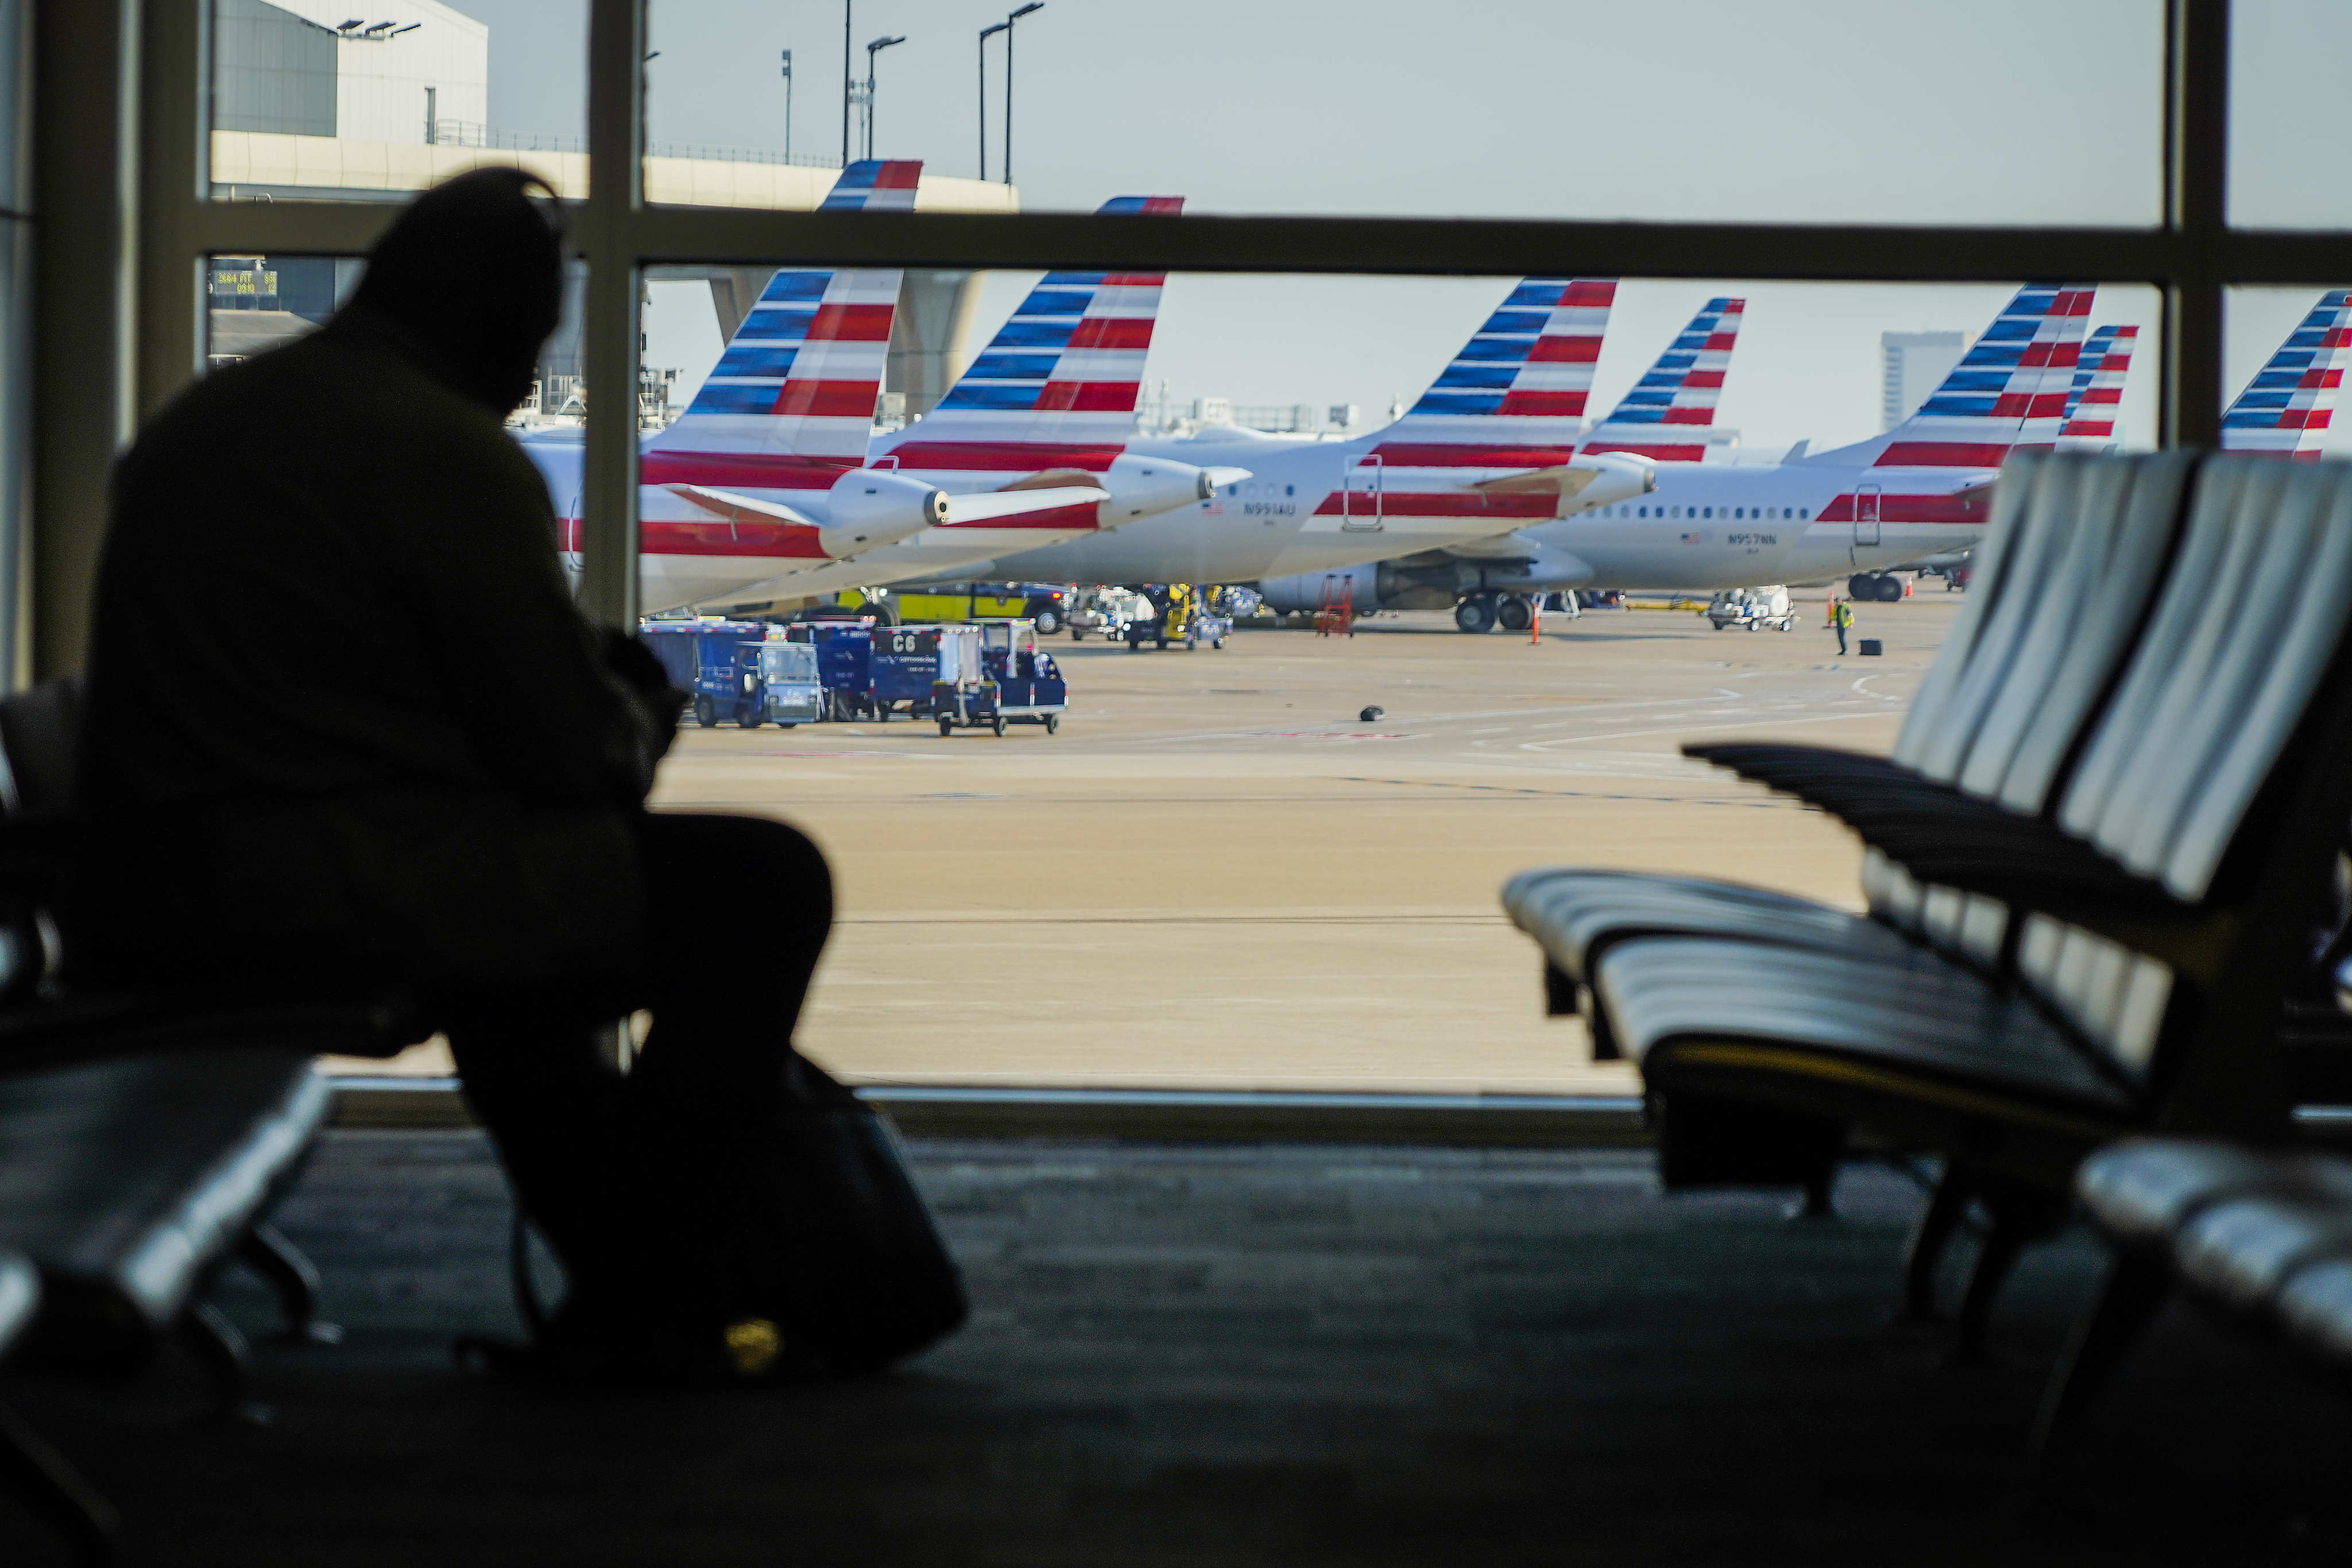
pixel 474 268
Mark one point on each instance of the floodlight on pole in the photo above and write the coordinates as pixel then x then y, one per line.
pixel 848 79
pixel 788 106
pixel 984 33
pixel 1011 18
pixel 876 47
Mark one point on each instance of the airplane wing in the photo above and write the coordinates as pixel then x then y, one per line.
pixel 738 508
pixel 993 522
pixel 998 506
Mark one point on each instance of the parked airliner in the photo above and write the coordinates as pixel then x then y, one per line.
pixel 1049 403
pixel 1488 448
pixel 1922 487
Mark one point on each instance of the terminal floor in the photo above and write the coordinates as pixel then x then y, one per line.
pixel 1233 1356
pixel 1216 876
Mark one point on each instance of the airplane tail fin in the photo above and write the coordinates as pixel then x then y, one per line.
pixel 1068 365
pixel 2285 408
pixel 800 376
pixel 874 185
pixel 1524 376
pixel 2008 392
pixel 2096 398
pixel 1680 391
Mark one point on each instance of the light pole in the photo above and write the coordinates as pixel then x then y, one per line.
pixel 1009 20
pixel 849 80
pixel 876 47
pixel 984 32
pixel 788 106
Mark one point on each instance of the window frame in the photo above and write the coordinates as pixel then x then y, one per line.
pixel 2191 256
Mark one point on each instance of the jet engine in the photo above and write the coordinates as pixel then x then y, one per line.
pixel 1140 487
pixel 870 508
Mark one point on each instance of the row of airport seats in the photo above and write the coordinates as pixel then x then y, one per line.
pixel 2099 863
pixel 143 1140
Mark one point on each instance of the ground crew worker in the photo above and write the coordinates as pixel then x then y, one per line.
pixel 1841 617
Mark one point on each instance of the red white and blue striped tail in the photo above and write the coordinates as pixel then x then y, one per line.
pixel 1655 419
pixel 2096 398
pixel 874 185
pixel 1068 365
pixel 2284 410
pixel 802 373
pixel 1524 376
pixel 2009 390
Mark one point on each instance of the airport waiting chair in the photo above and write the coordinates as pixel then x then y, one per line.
pixel 2063 582
pixel 2152 921
pixel 143 1138
pixel 2259 1238
pixel 2067 575
pixel 40 1477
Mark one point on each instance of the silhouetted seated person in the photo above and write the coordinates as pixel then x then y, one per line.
pixel 347 734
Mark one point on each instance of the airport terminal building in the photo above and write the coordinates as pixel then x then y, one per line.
pixel 312 105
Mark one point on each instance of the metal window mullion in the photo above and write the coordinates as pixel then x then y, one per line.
pixel 608 239
pixel 85 184
pixel 2195 213
pixel 175 162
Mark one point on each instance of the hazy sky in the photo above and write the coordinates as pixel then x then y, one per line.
pixel 1995 112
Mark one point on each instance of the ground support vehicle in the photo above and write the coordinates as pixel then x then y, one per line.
pixel 789 683
pixel 1108 612
pixel 716 664
pixel 1179 614
pixel 1753 608
pixel 1046 603
pixel 845 663
pixel 910 662
pixel 1020 684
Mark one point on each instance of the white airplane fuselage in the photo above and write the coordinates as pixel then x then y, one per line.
pixel 1316 507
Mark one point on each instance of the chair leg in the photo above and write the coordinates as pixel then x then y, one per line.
pixel 1947 1206
pixel 57 1493
pixel 2136 1288
pixel 2019 1219
pixel 219 1351
pixel 292 1279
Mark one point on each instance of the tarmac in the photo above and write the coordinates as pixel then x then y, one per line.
pixel 1216 876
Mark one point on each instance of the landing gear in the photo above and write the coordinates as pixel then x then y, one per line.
pixel 1511 612
pixel 1475 614
pixel 1864 587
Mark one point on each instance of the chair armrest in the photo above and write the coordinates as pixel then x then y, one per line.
pixel 86 1028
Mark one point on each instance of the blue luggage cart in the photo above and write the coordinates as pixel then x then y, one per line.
pixel 716 662
pixel 845 663
pixel 788 684
pixel 1021 684
pixel 909 662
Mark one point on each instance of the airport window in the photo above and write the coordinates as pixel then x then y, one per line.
pixel 722 173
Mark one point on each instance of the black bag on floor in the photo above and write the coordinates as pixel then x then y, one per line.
pixel 788 1240
pixel 869 1280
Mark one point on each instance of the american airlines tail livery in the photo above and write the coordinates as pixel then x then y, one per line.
pixel 1489 447
pixel 765 474
pixel 2092 401
pixel 1047 408
pixel 2285 408
pixel 1669 414
pixel 1919 489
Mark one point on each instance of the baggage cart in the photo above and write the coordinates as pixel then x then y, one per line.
pixel 789 683
pixel 716 664
pixel 1020 684
pixel 845 663
pixel 911 664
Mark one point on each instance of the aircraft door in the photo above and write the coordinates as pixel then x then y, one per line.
pixel 1866 517
pixel 1362 498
